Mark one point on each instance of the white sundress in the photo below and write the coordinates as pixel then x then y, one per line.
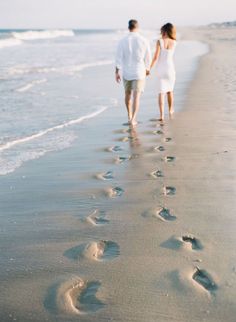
pixel 166 69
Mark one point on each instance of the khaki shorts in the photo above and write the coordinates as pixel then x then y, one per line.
pixel 134 85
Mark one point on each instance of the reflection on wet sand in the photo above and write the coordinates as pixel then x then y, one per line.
pixel 134 140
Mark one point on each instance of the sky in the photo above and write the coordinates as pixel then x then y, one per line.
pixel 111 14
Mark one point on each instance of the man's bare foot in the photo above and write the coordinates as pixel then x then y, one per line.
pixel 134 122
pixel 171 111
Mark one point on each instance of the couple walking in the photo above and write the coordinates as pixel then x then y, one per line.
pixel 134 60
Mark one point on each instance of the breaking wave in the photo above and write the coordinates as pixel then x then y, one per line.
pixel 42 34
pixel 18 38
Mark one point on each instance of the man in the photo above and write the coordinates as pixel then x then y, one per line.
pixel 133 59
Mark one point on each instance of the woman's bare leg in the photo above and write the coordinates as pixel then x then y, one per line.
pixel 170 99
pixel 161 105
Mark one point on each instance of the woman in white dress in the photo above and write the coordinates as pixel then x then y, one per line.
pixel 164 54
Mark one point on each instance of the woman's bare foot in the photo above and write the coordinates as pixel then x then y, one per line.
pixel 171 114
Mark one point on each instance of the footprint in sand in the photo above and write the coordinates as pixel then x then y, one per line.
pixel 204 279
pixel 162 213
pixel 127 139
pixel 165 214
pixel 124 139
pixel 194 242
pixel 115 148
pixel 168 139
pixel 97 218
pixel 74 296
pixel 169 191
pixel 115 192
pixel 158 132
pixel 121 159
pixel 122 131
pixel 133 139
pixel 134 156
pixel 128 124
pixel 169 159
pixel 159 148
pixel 105 176
pixel 157 120
pixel 157 174
pixel 154 120
pixel 185 242
pixel 99 251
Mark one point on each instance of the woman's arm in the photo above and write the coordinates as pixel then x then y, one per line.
pixel 156 55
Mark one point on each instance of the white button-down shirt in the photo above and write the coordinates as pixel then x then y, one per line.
pixel 133 56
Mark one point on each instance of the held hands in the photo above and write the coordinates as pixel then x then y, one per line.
pixel 148 72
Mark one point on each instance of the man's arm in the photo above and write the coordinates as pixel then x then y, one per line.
pixel 119 56
pixel 118 77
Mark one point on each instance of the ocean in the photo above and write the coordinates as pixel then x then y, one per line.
pixel 42 98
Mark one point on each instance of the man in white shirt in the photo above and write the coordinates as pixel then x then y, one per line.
pixel 133 59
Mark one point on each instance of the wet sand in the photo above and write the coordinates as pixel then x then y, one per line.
pixel 137 224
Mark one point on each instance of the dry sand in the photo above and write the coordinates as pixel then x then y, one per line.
pixel 157 240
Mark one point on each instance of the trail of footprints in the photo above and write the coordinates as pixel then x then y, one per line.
pixel 199 276
pixel 76 296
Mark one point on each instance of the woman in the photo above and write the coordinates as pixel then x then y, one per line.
pixel 164 53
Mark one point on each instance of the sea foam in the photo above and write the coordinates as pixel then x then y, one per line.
pixel 42 34
pixel 66 70
pixel 28 86
pixel 18 38
pixel 11 159
pixel 10 144
pixel 9 42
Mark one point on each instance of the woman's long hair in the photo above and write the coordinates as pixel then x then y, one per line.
pixel 169 30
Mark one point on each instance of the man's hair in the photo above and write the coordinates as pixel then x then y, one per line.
pixel 133 24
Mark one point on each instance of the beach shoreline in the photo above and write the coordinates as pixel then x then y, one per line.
pixel 138 223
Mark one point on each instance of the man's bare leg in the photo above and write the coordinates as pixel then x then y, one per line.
pixel 161 106
pixel 128 105
pixel 170 98
pixel 136 100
